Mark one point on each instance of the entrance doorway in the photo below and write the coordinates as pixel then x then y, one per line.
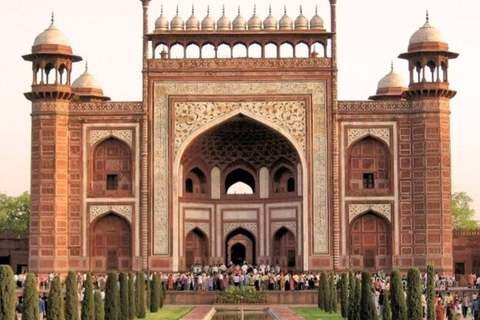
pixel 240 247
pixel 238 253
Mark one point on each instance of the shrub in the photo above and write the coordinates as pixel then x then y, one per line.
pixel 414 295
pixel 241 295
pixel 7 293
pixel 357 298
pixel 149 290
pixel 344 295
pixel 351 295
pixel 326 292
pixel 140 297
pixel 154 294
pixel 431 313
pixel 99 308
pixel 30 308
pixel 387 310
pixel 124 306
pixel 367 306
pixel 131 296
pixel 88 303
pixel 333 294
pixel 71 304
pixel 55 301
pixel 399 308
pixel 112 297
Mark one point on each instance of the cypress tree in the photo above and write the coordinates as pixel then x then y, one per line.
pixel 88 303
pixel 333 294
pixel 30 308
pixel 163 289
pixel 358 296
pixel 399 308
pixel 71 306
pixel 321 291
pixel 387 310
pixel 414 295
pixel 431 313
pixel 326 291
pixel 154 294
pixel 140 296
pixel 148 286
pixel 124 305
pixel 131 296
pixel 55 301
pixel 112 297
pixel 344 295
pixel 351 295
pixel 367 306
pixel 99 308
pixel 8 297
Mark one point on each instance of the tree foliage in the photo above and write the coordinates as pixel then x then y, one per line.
pixel 367 306
pixel 154 293
pixel 112 297
pixel 351 295
pixel 414 295
pixel 55 300
pixel 131 296
pixel 431 313
pixel 124 306
pixel 30 308
pixel 399 308
pixel 71 306
pixel 333 293
pixel 88 303
pixel 344 295
pixel 357 299
pixel 15 213
pixel 140 296
pixel 387 310
pixel 99 308
pixel 321 291
pixel 7 293
pixel 462 212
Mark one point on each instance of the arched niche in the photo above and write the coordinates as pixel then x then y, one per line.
pixel 111 171
pixel 284 251
pixel 233 240
pixel 196 248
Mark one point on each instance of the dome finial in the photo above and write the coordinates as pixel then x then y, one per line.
pixel 86 65
pixel 285 9
pixel 193 9
pixel 223 9
pixel 161 9
pixel 238 9
pixel 177 8
pixel 391 65
pixel 53 17
pixel 270 9
pixel 208 10
pixel 316 9
pixel 301 10
pixel 255 8
pixel 427 15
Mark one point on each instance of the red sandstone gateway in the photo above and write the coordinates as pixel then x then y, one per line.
pixel 240 150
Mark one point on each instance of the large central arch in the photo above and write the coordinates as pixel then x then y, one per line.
pixel 300 176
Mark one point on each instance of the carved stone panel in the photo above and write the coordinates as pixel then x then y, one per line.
pixel 122 210
pixel 383 209
pixel 355 134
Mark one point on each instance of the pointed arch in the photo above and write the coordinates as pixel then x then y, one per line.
pixel 284 251
pixel 196 247
pixel 244 237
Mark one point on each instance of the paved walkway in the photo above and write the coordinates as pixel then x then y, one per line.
pixel 200 313
pixel 206 312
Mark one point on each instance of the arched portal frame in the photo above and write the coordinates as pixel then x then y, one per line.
pixel 123 250
pixel 198 248
pixel 228 249
pixel 201 130
pixel 377 245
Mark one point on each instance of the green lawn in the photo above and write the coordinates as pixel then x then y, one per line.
pixel 169 313
pixel 313 313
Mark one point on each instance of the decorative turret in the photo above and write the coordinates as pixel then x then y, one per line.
pixel 224 23
pixel 239 22
pixel 316 23
pixel 254 23
pixel 161 24
pixel 88 88
pixel 390 87
pixel 177 23
pixel 208 23
pixel 285 22
pixel 52 60
pixel 270 23
pixel 301 23
pixel 428 58
pixel 192 22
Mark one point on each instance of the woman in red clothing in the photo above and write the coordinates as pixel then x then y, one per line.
pixel 440 310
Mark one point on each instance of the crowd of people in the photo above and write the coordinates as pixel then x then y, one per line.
pixel 265 277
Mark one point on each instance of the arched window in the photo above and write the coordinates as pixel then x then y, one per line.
pixel 208 51
pixel 196 182
pixel 368 167
pixel 193 51
pixel 177 52
pixel 224 51
pixel 301 50
pixel 283 180
pixel 189 185
pixel 290 185
pixel 237 178
pixel 255 51
pixel 286 50
pixel 111 169
pixel 239 51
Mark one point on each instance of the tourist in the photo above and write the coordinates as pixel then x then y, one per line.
pixel 440 310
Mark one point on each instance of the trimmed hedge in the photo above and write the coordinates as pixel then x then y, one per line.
pixel 55 301
pixel 7 292
pixel 30 308
pixel 88 303
pixel 112 297
pixel 71 303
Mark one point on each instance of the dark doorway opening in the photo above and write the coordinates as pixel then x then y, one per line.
pixel 240 245
pixel 238 253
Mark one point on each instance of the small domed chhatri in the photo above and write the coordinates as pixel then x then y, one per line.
pixel 316 23
pixel 270 23
pixel 239 22
pixel 224 23
pixel 51 36
pixel 177 23
pixel 254 23
pixel 285 22
pixel 161 24
pixel 301 23
pixel 427 38
pixel 208 23
pixel 192 22
pixel 390 86
pixel 88 88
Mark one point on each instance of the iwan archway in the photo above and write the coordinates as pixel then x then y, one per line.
pixel 241 149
